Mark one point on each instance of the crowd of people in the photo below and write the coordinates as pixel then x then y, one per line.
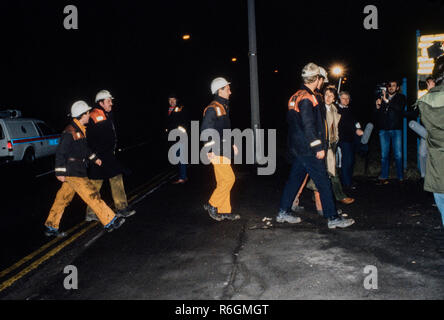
pixel 323 137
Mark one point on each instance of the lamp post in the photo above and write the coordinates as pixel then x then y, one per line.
pixel 337 71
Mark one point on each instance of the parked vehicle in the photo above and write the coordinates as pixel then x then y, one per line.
pixel 25 139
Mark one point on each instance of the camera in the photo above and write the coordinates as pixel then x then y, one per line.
pixel 436 50
pixel 380 88
pixel 422 85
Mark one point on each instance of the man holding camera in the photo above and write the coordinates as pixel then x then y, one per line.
pixel 389 111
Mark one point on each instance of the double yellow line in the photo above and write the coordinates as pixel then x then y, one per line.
pixel 167 174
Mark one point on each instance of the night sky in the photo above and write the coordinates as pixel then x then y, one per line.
pixel 135 50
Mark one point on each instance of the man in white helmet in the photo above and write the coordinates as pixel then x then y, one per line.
pixel 102 139
pixel 72 157
pixel 217 117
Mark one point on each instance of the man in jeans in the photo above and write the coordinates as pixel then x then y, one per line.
pixel 307 147
pixel 389 111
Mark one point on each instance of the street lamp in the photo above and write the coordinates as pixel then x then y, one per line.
pixel 186 37
pixel 233 59
pixel 338 71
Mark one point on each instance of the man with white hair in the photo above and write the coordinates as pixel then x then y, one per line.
pixel 307 148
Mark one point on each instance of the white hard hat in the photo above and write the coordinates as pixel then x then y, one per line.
pixel 78 108
pixel 310 70
pixel 217 84
pixel 323 74
pixel 103 94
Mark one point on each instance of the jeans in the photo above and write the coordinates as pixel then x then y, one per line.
pixel 318 172
pixel 395 137
pixel 182 166
pixel 348 150
pixel 439 199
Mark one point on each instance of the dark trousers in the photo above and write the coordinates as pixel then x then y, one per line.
pixel 182 166
pixel 348 150
pixel 318 172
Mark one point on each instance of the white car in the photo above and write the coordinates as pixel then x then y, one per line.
pixel 25 139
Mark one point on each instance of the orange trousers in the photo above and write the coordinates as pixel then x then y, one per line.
pixel 117 192
pixel 86 190
pixel 225 180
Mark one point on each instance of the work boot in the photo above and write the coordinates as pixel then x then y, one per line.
pixel 91 217
pixel 285 217
pixel 347 200
pixel 230 216
pixel 114 224
pixel 339 222
pixel 125 212
pixel 53 232
pixel 212 211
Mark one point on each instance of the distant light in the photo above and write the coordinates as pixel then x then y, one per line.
pixel 233 59
pixel 337 71
pixel 186 37
pixel 276 71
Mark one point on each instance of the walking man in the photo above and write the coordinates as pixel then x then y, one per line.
pixel 102 139
pixel 307 147
pixel 217 117
pixel 72 156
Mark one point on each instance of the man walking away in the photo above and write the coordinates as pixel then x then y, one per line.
pixel 307 147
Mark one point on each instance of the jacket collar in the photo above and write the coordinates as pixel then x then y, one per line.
pixel 222 101
pixel 304 87
pixel 79 126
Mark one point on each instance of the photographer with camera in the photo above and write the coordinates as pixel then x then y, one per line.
pixel 389 113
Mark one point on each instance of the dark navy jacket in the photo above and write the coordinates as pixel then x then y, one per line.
pixel 217 117
pixel 306 125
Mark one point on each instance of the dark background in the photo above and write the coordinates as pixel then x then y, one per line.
pixel 135 50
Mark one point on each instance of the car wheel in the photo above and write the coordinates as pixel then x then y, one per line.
pixel 29 157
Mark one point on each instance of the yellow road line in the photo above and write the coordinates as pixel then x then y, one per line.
pixel 38 251
pixel 51 253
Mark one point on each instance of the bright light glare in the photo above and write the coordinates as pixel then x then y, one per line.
pixel 186 37
pixel 337 71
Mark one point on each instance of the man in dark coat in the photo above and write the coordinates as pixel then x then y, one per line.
pixel 102 139
pixel 178 119
pixel 307 147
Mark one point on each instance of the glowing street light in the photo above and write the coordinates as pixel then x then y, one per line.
pixel 338 71
pixel 186 37
pixel 233 59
